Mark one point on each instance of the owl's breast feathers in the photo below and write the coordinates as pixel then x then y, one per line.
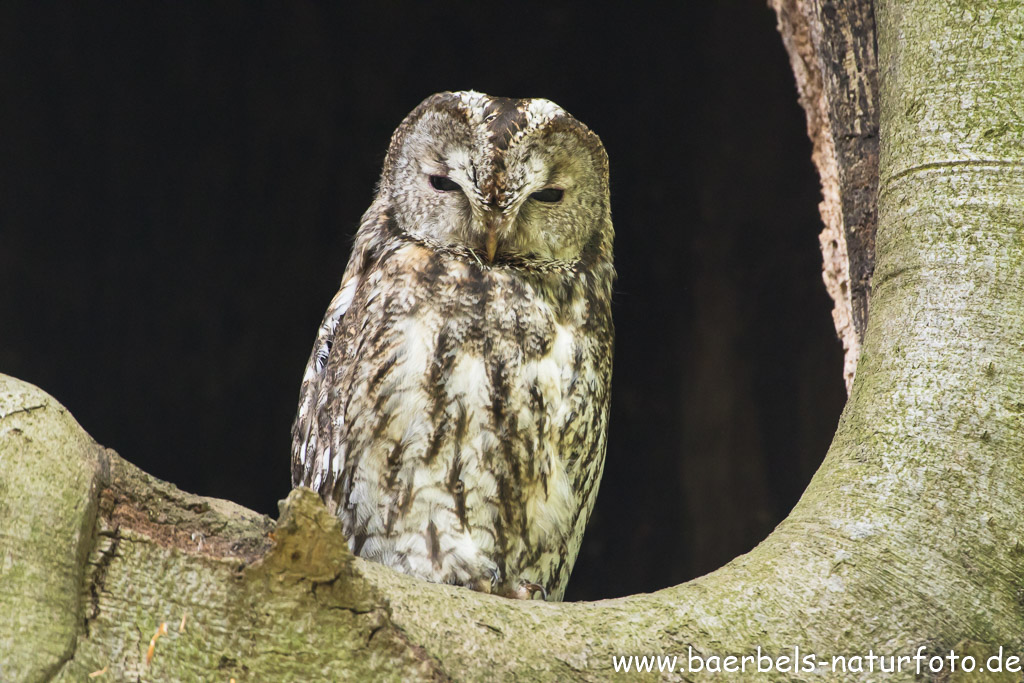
pixel 454 415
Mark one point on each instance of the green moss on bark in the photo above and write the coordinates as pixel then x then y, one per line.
pixel 910 535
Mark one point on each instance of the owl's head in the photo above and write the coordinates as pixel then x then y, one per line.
pixel 504 179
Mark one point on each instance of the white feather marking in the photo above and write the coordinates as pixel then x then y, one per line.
pixel 552 515
pixel 468 380
pixel 310 373
pixel 365 500
pixel 337 463
pixel 343 299
pixel 415 352
pixel 540 110
pixel 412 543
pixel 374 550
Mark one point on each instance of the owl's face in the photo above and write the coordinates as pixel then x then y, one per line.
pixel 499 177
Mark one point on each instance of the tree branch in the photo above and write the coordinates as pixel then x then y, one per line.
pixel 831 45
pixel 911 535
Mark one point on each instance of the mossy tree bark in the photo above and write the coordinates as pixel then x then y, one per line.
pixel 911 535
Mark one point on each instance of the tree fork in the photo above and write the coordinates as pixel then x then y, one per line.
pixel 911 534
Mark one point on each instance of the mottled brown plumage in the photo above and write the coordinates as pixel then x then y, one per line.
pixel 453 412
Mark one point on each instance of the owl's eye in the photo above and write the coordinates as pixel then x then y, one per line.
pixel 549 195
pixel 444 184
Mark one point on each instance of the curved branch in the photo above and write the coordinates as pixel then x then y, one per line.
pixel 910 536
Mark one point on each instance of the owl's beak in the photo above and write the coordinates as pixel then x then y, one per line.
pixel 495 225
pixel 491 244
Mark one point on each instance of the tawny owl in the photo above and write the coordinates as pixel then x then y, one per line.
pixel 453 412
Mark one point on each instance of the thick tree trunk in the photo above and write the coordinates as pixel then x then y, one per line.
pixel 831 45
pixel 911 535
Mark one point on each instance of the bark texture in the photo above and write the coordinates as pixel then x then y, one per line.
pixel 910 535
pixel 831 45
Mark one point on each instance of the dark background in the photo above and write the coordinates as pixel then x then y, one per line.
pixel 179 185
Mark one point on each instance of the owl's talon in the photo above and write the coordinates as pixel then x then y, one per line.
pixel 528 589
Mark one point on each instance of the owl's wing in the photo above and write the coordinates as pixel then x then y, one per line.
pixel 317 442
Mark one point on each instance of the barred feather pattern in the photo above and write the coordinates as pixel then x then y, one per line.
pixel 453 412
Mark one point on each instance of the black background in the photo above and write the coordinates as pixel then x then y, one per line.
pixel 179 185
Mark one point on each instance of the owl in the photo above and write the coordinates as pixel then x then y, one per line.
pixel 454 410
